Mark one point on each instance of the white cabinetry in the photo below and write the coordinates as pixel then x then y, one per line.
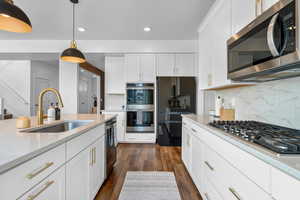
pixel 78 176
pixel 91 161
pixel 140 67
pixel 213 47
pixel 53 187
pixel 184 65
pixel 224 19
pixel 97 165
pixel 221 32
pixel 284 187
pixel 266 4
pixel 165 64
pixel 186 148
pixel 243 12
pixel 219 174
pixel 114 75
pixel 179 65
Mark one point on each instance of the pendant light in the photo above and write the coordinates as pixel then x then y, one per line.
pixel 13 19
pixel 72 54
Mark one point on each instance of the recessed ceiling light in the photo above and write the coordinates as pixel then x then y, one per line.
pixel 81 29
pixel 147 29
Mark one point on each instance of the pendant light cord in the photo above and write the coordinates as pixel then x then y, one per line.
pixel 73 21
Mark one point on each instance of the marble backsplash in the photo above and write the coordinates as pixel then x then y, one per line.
pixel 276 102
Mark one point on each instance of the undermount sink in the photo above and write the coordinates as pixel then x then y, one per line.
pixel 60 127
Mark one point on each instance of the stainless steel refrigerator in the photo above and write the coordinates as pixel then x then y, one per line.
pixel 175 96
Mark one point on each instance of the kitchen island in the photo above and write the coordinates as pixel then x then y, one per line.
pixel 53 165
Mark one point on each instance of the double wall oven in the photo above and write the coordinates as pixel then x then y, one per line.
pixel 140 108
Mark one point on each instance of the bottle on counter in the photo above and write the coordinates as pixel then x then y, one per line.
pixel 57 112
pixel 51 113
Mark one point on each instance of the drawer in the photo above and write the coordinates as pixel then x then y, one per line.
pixel 81 142
pixel 210 193
pixel 280 191
pixel 52 188
pixel 192 127
pixel 140 138
pixel 241 160
pixel 229 181
pixel 28 174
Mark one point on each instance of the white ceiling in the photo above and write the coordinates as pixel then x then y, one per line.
pixel 113 19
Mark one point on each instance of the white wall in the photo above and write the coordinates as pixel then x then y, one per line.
pixel 15 86
pixel 275 102
pixel 47 70
pixel 68 86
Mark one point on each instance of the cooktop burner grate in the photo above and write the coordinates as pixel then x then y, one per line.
pixel 279 139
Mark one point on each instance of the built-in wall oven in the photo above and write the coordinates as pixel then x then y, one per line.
pixel 140 108
pixel 268 48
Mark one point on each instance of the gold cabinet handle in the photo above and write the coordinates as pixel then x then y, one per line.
pixel 91 156
pixel 48 184
pixel 235 194
pixel 209 166
pixel 38 171
pixel 94 160
pixel 206 195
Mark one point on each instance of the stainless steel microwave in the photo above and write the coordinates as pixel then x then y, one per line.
pixel 268 48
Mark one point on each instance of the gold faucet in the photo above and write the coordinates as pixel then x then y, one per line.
pixel 40 115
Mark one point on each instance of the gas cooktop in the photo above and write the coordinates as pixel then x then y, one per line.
pixel 278 139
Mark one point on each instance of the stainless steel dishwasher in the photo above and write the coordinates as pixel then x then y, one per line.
pixel 111 146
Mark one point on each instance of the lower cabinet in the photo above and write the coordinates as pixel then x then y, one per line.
pixel 97 166
pixel 209 191
pixel 197 162
pixel 216 177
pixel 186 148
pixel 53 187
pixel 85 172
pixel 78 183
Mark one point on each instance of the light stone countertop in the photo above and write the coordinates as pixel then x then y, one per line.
pixel 17 147
pixel 289 164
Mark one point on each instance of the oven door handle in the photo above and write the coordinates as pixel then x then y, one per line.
pixel 270 36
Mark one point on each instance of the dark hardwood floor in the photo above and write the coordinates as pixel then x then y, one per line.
pixel 148 157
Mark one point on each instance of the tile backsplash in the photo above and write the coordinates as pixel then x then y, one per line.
pixel 276 102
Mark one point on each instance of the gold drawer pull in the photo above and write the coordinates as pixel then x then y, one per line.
pixel 209 166
pixel 235 194
pixel 38 171
pixel 48 184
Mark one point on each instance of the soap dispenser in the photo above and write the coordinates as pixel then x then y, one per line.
pixel 51 113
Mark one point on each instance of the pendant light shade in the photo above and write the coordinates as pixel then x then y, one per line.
pixel 13 19
pixel 72 54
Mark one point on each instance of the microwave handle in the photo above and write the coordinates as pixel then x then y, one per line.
pixel 270 36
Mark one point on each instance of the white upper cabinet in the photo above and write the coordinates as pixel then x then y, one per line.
pixel 140 68
pixel 115 75
pixel 221 31
pixel 147 68
pixel 175 65
pixel 184 65
pixel 266 4
pixel 243 12
pixel 165 64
